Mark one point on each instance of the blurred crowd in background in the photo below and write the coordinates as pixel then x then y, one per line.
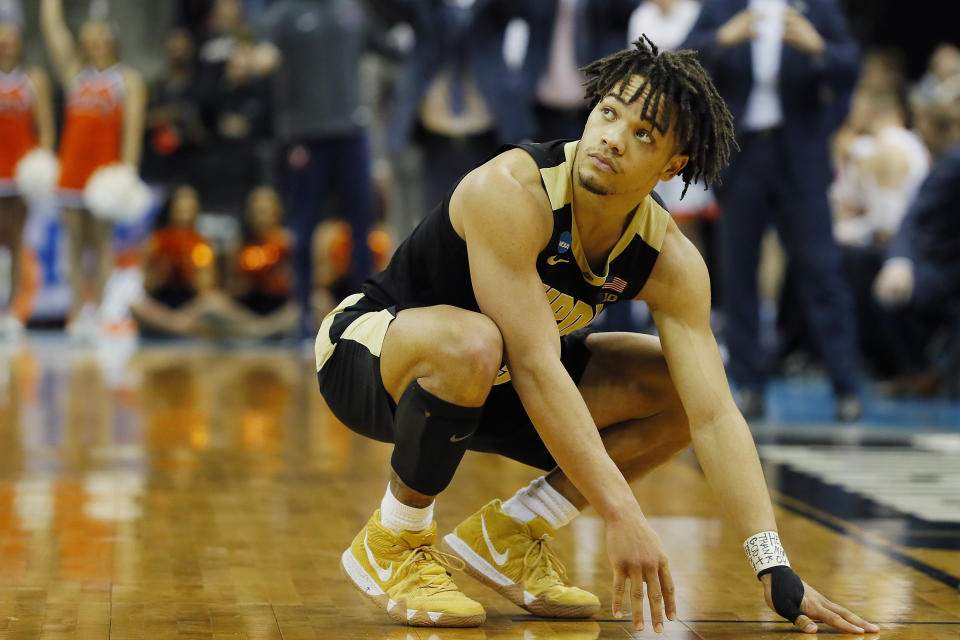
pixel 267 156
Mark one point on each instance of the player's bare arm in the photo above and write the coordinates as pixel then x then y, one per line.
pixel 678 293
pixel 501 212
pixel 679 297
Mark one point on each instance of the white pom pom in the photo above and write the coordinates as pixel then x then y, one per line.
pixel 116 193
pixel 36 176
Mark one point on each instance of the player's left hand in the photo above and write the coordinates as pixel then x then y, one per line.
pixel 797 601
pixel 799 33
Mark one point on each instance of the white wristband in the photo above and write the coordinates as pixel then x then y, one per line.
pixel 765 551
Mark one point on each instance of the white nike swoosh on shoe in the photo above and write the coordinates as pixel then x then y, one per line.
pixel 499 558
pixel 383 574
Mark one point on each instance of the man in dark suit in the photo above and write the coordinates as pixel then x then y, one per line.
pixel 786 70
pixel 456 97
pixel 919 284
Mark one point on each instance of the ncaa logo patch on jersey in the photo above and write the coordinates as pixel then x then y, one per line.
pixel 566 240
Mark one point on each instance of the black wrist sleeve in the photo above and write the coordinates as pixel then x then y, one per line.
pixel 786 591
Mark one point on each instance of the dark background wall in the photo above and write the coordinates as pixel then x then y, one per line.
pixel 914 27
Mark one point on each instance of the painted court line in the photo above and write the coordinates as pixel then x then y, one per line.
pixel 812 513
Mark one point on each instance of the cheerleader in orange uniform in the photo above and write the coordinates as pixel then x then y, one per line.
pixel 26 123
pixel 179 270
pixel 103 125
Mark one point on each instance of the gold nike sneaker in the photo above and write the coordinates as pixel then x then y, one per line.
pixel 513 558
pixel 407 576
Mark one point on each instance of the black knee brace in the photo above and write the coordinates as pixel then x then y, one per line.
pixel 431 436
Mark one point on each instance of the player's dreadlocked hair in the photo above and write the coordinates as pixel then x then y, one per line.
pixel 673 83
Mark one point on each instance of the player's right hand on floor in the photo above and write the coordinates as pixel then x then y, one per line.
pixel 636 555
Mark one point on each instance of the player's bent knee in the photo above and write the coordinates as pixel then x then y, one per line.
pixel 648 380
pixel 652 380
pixel 476 349
pixel 482 350
pixel 459 358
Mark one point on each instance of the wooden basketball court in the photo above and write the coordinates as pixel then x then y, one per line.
pixel 187 492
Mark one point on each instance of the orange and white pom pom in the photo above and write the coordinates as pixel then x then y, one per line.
pixel 116 193
pixel 36 176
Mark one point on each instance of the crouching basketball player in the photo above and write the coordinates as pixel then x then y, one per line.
pixel 472 338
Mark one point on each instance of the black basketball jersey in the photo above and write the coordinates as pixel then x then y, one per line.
pixel 430 267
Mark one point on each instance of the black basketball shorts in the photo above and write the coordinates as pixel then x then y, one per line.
pixel 348 371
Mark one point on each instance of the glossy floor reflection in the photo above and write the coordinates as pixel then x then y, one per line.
pixel 189 492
